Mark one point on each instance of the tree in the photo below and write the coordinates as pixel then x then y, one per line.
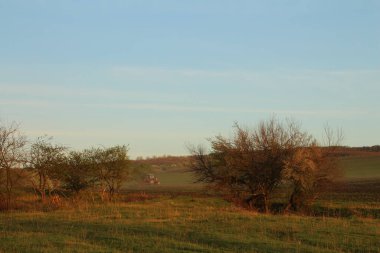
pixel 78 172
pixel 107 168
pixel 45 160
pixel 112 168
pixel 310 169
pixel 12 155
pixel 253 163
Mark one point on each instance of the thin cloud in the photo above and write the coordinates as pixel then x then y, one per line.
pixel 28 103
pixel 207 109
pixel 183 108
pixel 131 77
pixel 288 77
pixel 48 91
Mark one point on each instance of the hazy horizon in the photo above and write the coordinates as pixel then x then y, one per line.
pixel 158 75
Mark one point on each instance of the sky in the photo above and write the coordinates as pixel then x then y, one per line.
pixel 161 75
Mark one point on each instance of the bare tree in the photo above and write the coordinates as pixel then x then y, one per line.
pixel 44 161
pixel 253 163
pixel 12 155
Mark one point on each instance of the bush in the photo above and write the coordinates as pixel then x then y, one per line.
pixel 253 163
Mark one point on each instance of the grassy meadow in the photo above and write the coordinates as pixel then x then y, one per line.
pixel 178 216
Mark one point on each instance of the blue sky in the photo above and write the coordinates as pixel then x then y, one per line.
pixel 158 75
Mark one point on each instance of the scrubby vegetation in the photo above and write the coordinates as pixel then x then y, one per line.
pixel 275 155
pixel 53 170
pixel 85 201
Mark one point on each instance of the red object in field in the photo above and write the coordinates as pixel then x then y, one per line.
pixel 151 179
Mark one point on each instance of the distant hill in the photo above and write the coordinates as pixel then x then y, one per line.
pixel 168 160
pixel 359 151
pixel 165 163
pixel 162 164
pixel 358 163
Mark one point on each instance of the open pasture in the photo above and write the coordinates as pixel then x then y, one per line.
pixel 173 176
pixel 181 224
pixel 177 216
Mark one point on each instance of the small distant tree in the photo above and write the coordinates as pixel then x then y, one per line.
pixel 45 161
pixel 112 168
pixel 253 163
pixel 12 156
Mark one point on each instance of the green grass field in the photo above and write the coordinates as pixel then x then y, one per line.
pixel 176 216
pixel 182 224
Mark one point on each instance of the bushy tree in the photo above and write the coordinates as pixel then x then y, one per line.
pixel 77 171
pixel 106 168
pixel 112 168
pixel 253 163
pixel 311 169
pixel 45 161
